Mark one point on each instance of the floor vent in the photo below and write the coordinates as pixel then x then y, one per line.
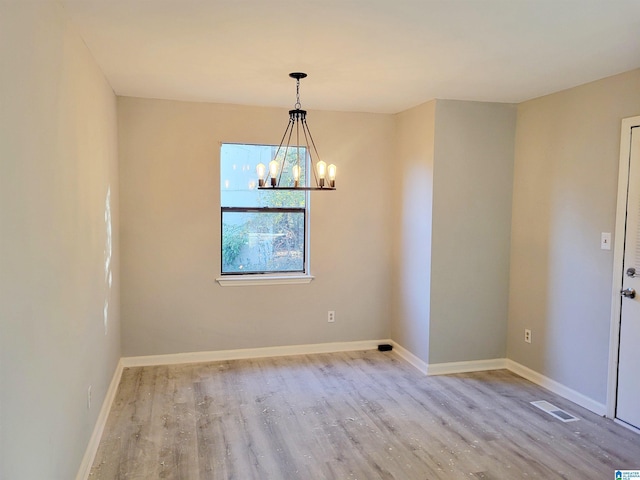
pixel 554 411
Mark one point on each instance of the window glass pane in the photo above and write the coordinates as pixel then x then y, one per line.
pixel 257 242
pixel 239 181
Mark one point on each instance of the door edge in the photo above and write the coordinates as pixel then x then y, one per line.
pixel 618 256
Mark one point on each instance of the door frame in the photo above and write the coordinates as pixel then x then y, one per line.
pixel 618 257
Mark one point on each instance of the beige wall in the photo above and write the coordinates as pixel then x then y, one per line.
pixel 451 249
pixel 170 222
pixel 58 161
pixel 413 203
pixel 565 183
pixel 473 175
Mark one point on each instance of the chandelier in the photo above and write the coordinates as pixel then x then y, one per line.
pixel 290 158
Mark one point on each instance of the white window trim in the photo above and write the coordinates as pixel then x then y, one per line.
pixel 266 279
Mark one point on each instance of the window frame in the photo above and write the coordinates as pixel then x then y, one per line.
pixel 268 277
pixel 302 210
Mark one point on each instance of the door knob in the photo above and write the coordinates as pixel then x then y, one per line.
pixel 628 292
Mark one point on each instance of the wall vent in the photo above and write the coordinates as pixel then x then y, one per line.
pixel 554 411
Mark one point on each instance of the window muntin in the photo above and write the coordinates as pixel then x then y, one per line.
pixel 262 231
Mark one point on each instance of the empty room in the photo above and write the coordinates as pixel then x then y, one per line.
pixel 311 239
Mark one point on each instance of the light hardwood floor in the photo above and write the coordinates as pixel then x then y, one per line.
pixel 355 415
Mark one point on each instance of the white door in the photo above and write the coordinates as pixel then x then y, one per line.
pixel 628 398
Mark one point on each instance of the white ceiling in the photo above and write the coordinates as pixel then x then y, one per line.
pixel 361 55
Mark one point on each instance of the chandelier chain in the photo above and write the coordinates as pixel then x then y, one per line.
pixel 298 104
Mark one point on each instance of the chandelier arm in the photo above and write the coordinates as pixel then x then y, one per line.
pixel 296 182
pixel 282 141
pixel 313 144
pixel 283 137
pixel 304 122
pixel 286 150
pixel 307 134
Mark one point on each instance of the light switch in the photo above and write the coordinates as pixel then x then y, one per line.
pixel 605 241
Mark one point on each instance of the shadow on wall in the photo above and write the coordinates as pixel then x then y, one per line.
pixel 413 290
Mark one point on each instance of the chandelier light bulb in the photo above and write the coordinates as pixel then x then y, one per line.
pixel 261 170
pixel 321 167
pixel 273 172
pixel 296 174
pixel 332 175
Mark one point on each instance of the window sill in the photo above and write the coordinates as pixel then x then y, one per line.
pixel 252 280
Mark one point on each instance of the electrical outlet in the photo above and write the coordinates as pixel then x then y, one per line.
pixel 331 316
pixel 527 335
pixel 89 398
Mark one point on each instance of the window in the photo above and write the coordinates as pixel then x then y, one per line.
pixel 263 231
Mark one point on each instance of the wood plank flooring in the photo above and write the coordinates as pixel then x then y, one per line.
pixel 354 415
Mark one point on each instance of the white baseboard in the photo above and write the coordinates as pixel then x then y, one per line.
pixel 468 366
pixel 96 435
pixel 239 354
pixel 499 363
pixel 427 369
pixel 410 357
pixel 556 387
pixel 448 368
